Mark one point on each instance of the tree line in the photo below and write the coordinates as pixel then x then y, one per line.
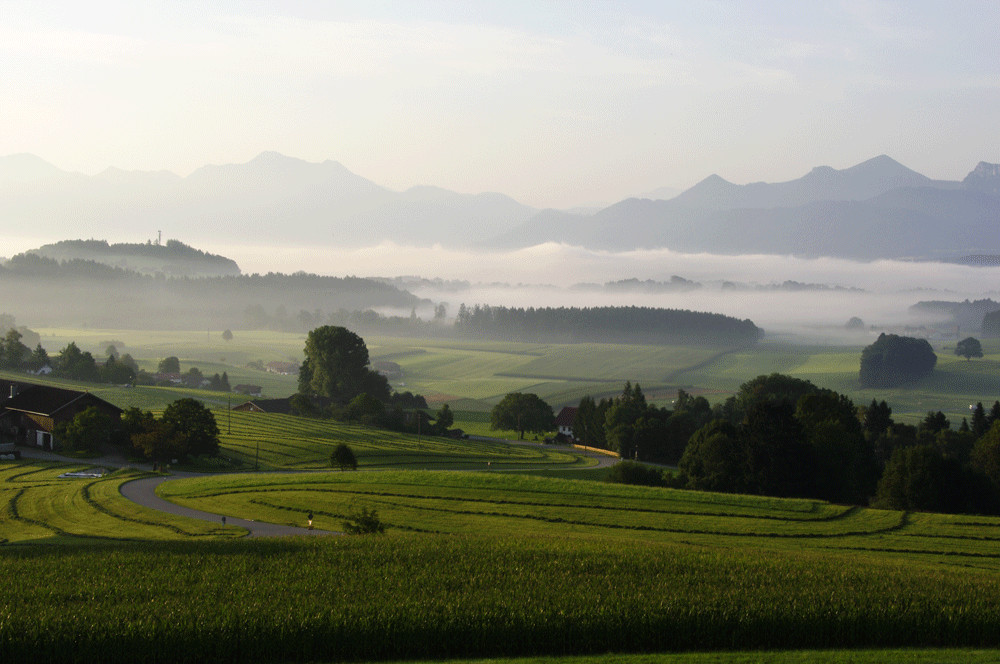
pixel 783 436
pixel 645 325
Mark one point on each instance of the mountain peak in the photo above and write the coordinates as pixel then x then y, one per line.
pixel 24 166
pixel 984 177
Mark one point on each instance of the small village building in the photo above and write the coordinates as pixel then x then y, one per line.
pixel 29 414
pixel 282 406
pixel 283 368
pixel 249 390
pixel 564 421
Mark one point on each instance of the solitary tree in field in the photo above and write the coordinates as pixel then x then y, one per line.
pixel 227 335
pixel 522 412
pixel 343 456
pixel 969 348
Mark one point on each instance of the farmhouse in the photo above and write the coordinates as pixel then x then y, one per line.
pixel 283 368
pixel 564 421
pixel 251 390
pixel 29 414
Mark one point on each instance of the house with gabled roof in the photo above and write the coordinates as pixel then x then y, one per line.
pixel 564 421
pixel 29 413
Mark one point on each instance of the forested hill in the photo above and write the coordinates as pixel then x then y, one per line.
pixel 174 258
pixel 86 293
pixel 643 325
pixel 967 315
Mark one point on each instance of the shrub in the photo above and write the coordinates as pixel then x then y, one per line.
pixel 629 472
pixel 364 522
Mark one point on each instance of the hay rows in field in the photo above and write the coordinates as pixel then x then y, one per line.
pixel 462 502
pixel 281 441
pixel 38 506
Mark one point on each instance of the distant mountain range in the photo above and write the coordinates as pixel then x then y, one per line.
pixel 876 209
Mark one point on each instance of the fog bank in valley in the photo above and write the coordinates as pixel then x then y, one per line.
pixel 879 292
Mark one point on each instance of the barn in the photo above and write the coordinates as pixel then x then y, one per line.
pixel 29 413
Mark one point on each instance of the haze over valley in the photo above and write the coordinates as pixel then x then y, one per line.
pixel 866 241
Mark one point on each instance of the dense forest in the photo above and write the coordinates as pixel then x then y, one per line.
pixel 643 325
pixel 784 436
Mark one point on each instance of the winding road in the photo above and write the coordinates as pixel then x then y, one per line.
pixel 143 491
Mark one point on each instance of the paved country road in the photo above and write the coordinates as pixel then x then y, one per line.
pixel 143 492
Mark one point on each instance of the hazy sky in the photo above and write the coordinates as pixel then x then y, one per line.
pixel 555 103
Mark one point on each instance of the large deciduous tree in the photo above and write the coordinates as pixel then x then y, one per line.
pixel 189 418
pixel 893 360
pixel 169 365
pixel 522 413
pixel 336 366
pixel 969 348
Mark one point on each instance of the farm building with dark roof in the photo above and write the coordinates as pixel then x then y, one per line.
pixel 29 413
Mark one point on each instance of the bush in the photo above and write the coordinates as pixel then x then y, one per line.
pixel 364 522
pixel 343 456
pixel 629 472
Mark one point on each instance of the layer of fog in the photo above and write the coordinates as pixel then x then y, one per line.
pixel 545 275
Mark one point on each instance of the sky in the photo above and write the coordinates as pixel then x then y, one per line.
pixel 557 104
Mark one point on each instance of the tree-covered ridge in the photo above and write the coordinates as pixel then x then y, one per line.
pixel 130 298
pixel 173 258
pixel 967 314
pixel 605 324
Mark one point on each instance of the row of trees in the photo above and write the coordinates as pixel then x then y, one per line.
pixel 637 430
pixel 604 324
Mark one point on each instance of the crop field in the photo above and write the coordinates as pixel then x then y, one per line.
pixel 533 566
pixel 38 506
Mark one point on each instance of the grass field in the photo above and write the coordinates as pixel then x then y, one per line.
pixel 477 503
pixel 285 442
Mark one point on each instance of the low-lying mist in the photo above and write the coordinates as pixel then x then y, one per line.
pixel 833 290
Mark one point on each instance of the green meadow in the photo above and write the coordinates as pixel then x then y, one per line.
pixel 473 376
pixel 283 442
